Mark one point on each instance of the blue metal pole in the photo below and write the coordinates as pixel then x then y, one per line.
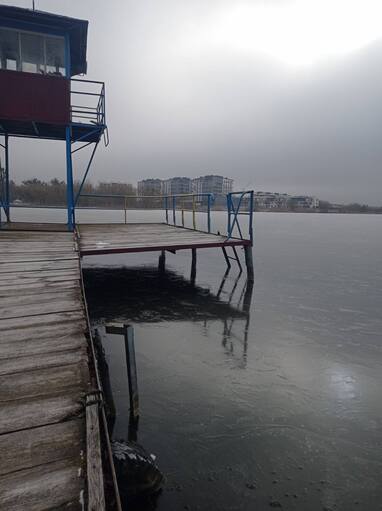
pixel 251 217
pixel 69 181
pixel 86 173
pixel 173 209
pixel 7 197
pixel 209 213
pixel 229 215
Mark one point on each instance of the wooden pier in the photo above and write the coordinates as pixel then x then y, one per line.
pixel 46 440
pixel 145 237
pixel 50 443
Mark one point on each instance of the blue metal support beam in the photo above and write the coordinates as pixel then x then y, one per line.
pixel 209 213
pixel 6 176
pixel 85 175
pixel 69 181
pixel 174 209
pixel 166 207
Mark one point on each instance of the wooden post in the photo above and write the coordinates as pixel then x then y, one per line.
pixel 193 266
pixel 249 262
pixel 96 497
pixel 162 261
pixel 132 372
pixel 128 332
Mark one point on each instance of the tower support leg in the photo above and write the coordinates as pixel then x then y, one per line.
pixel 249 262
pixel 69 182
pixel 6 184
pixel 193 265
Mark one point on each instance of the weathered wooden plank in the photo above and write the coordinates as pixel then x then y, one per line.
pixel 41 248
pixel 45 382
pixel 164 242
pixel 51 486
pixel 31 413
pixel 138 237
pixel 38 245
pixel 38 346
pixel 40 303
pixel 36 226
pixel 168 234
pixel 19 311
pixel 30 266
pixel 46 275
pixel 45 444
pixel 34 237
pixel 13 328
pixel 37 298
pixel 59 256
pixel 37 286
pixel 96 497
pixel 42 360
pixel 62 335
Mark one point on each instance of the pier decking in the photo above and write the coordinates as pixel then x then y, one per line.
pixel 145 237
pixel 44 373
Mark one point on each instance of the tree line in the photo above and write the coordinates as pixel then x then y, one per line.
pixel 53 193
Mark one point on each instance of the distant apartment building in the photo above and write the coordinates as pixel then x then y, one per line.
pixel 304 202
pixel 176 185
pixel 217 185
pixel 271 200
pixel 150 187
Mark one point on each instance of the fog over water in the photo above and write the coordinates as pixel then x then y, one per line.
pixel 282 95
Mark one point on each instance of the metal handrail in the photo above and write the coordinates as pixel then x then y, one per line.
pixel 234 211
pixel 95 114
pixel 170 203
pixel 165 207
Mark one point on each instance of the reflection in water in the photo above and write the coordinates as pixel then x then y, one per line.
pixel 150 296
pixel 146 295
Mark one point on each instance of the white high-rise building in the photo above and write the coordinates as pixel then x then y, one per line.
pixel 217 185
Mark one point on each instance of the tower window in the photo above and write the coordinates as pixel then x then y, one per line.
pixel 32 53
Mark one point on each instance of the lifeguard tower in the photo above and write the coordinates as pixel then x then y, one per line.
pixel 39 98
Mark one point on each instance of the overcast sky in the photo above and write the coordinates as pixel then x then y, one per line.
pixel 280 95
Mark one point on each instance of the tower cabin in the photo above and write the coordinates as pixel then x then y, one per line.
pixel 40 53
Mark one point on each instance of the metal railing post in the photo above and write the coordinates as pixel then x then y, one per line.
pixel 209 213
pixel 166 206
pixel 229 215
pixel 173 209
pixel 125 210
pixel 193 213
pixel 251 217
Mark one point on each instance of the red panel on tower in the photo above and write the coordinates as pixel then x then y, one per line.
pixel 33 97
